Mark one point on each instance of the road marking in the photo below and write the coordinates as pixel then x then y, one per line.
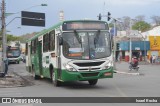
pixel 119 90
pixel 122 72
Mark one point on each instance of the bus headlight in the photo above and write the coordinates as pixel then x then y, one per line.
pixel 69 67
pixel 108 65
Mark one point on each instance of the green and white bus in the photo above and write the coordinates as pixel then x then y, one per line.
pixel 74 50
pixel 13 54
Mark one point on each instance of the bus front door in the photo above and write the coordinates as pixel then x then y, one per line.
pixel 58 58
pixel 40 56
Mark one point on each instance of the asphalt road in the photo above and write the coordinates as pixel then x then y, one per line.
pixel 144 84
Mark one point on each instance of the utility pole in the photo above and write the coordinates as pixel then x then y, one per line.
pixel 3 37
pixel 130 42
pixel 114 47
pixel 145 50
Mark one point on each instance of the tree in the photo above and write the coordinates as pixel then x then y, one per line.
pixel 156 19
pixel 12 38
pixel 119 24
pixel 126 22
pixel 111 25
pixel 140 18
pixel 141 26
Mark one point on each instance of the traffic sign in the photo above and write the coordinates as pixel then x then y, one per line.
pixel 33 18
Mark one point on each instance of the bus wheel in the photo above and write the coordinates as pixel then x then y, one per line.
pixel 54 80
pixel 93 82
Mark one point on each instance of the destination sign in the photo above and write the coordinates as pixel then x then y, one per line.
pixel 85 26
pixel 13 48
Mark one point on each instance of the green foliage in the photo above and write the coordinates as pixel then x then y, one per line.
pixel 141 26
pixel 27 36
pixel 12 38
pixel 111 25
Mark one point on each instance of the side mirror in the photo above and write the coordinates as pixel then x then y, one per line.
pixel 60 41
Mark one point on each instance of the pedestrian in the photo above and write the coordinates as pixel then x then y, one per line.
pixel 118 57
pixel 151 59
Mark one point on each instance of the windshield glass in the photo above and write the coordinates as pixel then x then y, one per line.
pixel 13 53
pixel 86 45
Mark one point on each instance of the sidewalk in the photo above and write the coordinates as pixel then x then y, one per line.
pixel 11 80
pixel 16 78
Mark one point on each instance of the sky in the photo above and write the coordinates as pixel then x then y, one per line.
pixel 76 9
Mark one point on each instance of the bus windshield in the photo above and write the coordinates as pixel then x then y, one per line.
pixel 13 53
pixel 86 45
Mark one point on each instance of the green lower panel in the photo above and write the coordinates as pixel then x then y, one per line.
pixel 46 72
pixel 83 76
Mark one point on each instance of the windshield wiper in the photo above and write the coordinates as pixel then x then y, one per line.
pixel 96 38
pixel 77 37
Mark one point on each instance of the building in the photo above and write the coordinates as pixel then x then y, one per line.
pixel 138 48
pixel 146 43
pixel 133 45
pixel 153 36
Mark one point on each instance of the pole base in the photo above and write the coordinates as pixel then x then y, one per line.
pixel 2 74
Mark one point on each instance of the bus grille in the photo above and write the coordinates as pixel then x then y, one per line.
pixel 89 74
pixel 86 69
pixel 89 64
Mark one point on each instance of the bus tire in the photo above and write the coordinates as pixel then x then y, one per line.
pixel 93 82
pixel 54 80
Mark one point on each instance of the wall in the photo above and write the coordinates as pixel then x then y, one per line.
pixel 136 45
pixel 154 43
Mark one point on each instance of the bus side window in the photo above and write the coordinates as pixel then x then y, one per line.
pixel 46 42
pixel 32 47
pixel 52 40
pixel 35 45
pixel 26 51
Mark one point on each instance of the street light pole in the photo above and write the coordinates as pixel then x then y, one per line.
pixel 4 41
pixel 20 11
pixel 144 44
pixel 144 49
pixel 114 47
pixel 9 14
pixel 130 42
pixel 3 38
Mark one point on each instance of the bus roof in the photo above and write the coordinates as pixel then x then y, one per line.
pixel 57 25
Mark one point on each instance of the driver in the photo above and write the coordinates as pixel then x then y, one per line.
pixel 134 61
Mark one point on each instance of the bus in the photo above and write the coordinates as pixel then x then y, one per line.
pixel 73 50
pixel 13 54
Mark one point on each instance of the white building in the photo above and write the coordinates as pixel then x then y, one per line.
pixel 153 36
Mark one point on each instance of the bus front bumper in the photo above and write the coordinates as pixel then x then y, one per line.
pixel 13 60
pixel 84 76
